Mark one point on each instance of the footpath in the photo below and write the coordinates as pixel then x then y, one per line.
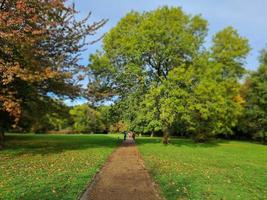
pixel 123 177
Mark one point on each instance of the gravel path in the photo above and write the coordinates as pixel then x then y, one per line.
pixel 123 177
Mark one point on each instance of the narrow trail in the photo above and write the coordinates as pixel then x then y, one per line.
pixel 123 177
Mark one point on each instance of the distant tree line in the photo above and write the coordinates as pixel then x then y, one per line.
pixel 75 119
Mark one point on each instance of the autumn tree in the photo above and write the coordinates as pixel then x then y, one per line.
pixel 41 41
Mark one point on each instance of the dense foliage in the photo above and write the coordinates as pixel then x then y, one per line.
pixel 155 68
pixel 40 45
pixel 64 120
pixel 253 122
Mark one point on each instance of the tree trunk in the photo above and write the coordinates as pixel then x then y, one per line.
pixel 152 134
pixel 263 139
pixel 166 136
pixel 2 139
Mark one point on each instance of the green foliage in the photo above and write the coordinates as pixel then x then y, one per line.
pixel 86 119
pixel 201 100
pixel 106 117
pixel 57 117
pixel 254 120
pixel 143 47
pixel 229 49
pixel 213 170
pixel 51 166
pixel 100 78
pixel 40 117
pixel 158 72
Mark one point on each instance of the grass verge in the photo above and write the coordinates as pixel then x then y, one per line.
pixel 51 166
pixel 215 170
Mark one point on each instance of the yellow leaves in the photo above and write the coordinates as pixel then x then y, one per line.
pixel 9 72
pixel 240 100
pixel 49 73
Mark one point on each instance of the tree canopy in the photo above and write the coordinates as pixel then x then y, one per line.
pixel 41 41
pixel 155 67
pixel 254 119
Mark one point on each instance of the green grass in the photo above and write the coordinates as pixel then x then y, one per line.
pixel 216 170
pixel 51 166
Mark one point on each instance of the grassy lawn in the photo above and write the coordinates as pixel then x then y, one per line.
pixel 218 170
pixel 51 166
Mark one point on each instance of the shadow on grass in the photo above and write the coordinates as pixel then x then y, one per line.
pixel 178 142
pixel 50 144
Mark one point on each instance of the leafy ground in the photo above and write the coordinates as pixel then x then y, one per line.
pixel 51 166
pixel 217 170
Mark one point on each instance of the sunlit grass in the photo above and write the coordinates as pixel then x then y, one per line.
pixel 51 166
pixel 216 170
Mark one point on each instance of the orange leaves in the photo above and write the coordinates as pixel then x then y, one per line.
pixel 56 3
pixel 10 104
pixel 49 73
pixel 4 16
pixel 8 101
pixel 37 76
pixel 20 28
pixel 38 32
pixel 39 51
pixel 8 73
pixel 20 5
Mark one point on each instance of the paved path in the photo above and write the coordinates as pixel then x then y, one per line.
pixel 123 177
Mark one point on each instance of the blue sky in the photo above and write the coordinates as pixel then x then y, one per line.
pixel 248 17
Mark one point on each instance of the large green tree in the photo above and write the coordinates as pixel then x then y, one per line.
pixel 143 48
pixel 140 51
pixel 155 67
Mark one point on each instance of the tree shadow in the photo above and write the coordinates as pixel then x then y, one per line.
pixel 51 144
pixel 179 142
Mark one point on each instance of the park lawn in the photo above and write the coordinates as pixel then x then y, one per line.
pixel 51 166
pixel 216 170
